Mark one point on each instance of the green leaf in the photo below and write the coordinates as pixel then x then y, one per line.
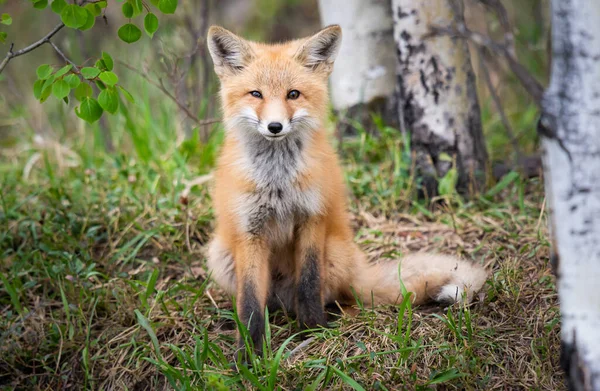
pixel 3 36
pixel 127 94
pixel 44 71
pixel 447 185
pixel 90 72
pixel 58 6
pixel 145 323
pixel 74 16
pixel 6 19
pixel 73 80
pixel 108 61
pixel 101 86
pixel 347 379
pixel 40 4
pixel 37 88
pixel 109 100
pixel 102 4
pixel 109 78
pixel 90 21
pixel 150 24
pixel 12 292
pixel 46 91
pixel 62 71
pixel 48 83
pixel 137 5
pixel 129 33
pixel 94 9
pixel 60 89
pixel 82 91
pixel 127 10
pixel 89 110
pixel 167 6
pixel 101 65
pixel 503 183
pixel 444 376
pixel 445 157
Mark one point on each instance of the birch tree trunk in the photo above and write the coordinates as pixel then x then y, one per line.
pixel 437 94
pixel 570 126
pixel 363 78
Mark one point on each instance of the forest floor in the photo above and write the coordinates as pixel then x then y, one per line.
pixel 103 283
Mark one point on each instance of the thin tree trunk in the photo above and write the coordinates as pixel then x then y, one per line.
pixel 437 95
pixel 363 78
pixel 570 126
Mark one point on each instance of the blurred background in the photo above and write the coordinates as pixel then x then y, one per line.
pixel 176 61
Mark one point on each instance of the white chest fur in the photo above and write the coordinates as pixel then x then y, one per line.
pixel 277 204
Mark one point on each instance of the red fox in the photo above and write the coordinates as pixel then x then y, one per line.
pixel 283 237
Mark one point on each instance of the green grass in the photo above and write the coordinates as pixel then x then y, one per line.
pixel 103 283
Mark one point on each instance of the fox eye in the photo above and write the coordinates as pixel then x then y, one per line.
pixel 256 94
pixel 293 94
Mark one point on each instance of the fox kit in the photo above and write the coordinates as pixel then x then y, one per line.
pixel 283 237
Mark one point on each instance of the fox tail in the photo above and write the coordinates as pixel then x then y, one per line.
pixel 439 278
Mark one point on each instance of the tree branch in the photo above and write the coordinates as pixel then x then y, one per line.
pixel 161 87
pixel 531 85
pixel 46 39
pixel 498 8
pixel 60 53
pixel 498 104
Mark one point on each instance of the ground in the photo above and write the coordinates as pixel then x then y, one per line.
pixel 103 282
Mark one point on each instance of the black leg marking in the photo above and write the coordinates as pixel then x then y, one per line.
pixel 252 316
pixel 310 307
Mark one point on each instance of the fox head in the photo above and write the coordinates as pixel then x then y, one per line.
pixel 273 91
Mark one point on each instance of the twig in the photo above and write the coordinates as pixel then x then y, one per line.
pixel 299 348
pixel 195 182
pixel 531 85
pixel 502 15
pixel 10 55
pixel 187 228
pixel 207 292
pixel 60 53
pixel 498 104
pixel 542 210
pixel 161 87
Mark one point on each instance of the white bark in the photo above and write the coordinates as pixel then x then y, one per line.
pixel 570 125
pixel 364 68
pixel 438 98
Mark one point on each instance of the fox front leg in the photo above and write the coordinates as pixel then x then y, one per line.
pixel 310 248
pixel 252 269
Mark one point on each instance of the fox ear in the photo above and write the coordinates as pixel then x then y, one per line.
pixel 229 52
pixel 320 50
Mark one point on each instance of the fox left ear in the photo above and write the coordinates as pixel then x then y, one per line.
pixel 229 52
pixel 320 50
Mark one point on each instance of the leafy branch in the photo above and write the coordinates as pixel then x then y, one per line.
pixel 46 39
pixel 79 80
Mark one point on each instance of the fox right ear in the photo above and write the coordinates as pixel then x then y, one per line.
pixel 320 50
pixel 229 52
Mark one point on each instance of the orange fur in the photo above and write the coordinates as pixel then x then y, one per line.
pixel 283 236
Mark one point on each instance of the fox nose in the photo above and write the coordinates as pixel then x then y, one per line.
pixel 275 127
